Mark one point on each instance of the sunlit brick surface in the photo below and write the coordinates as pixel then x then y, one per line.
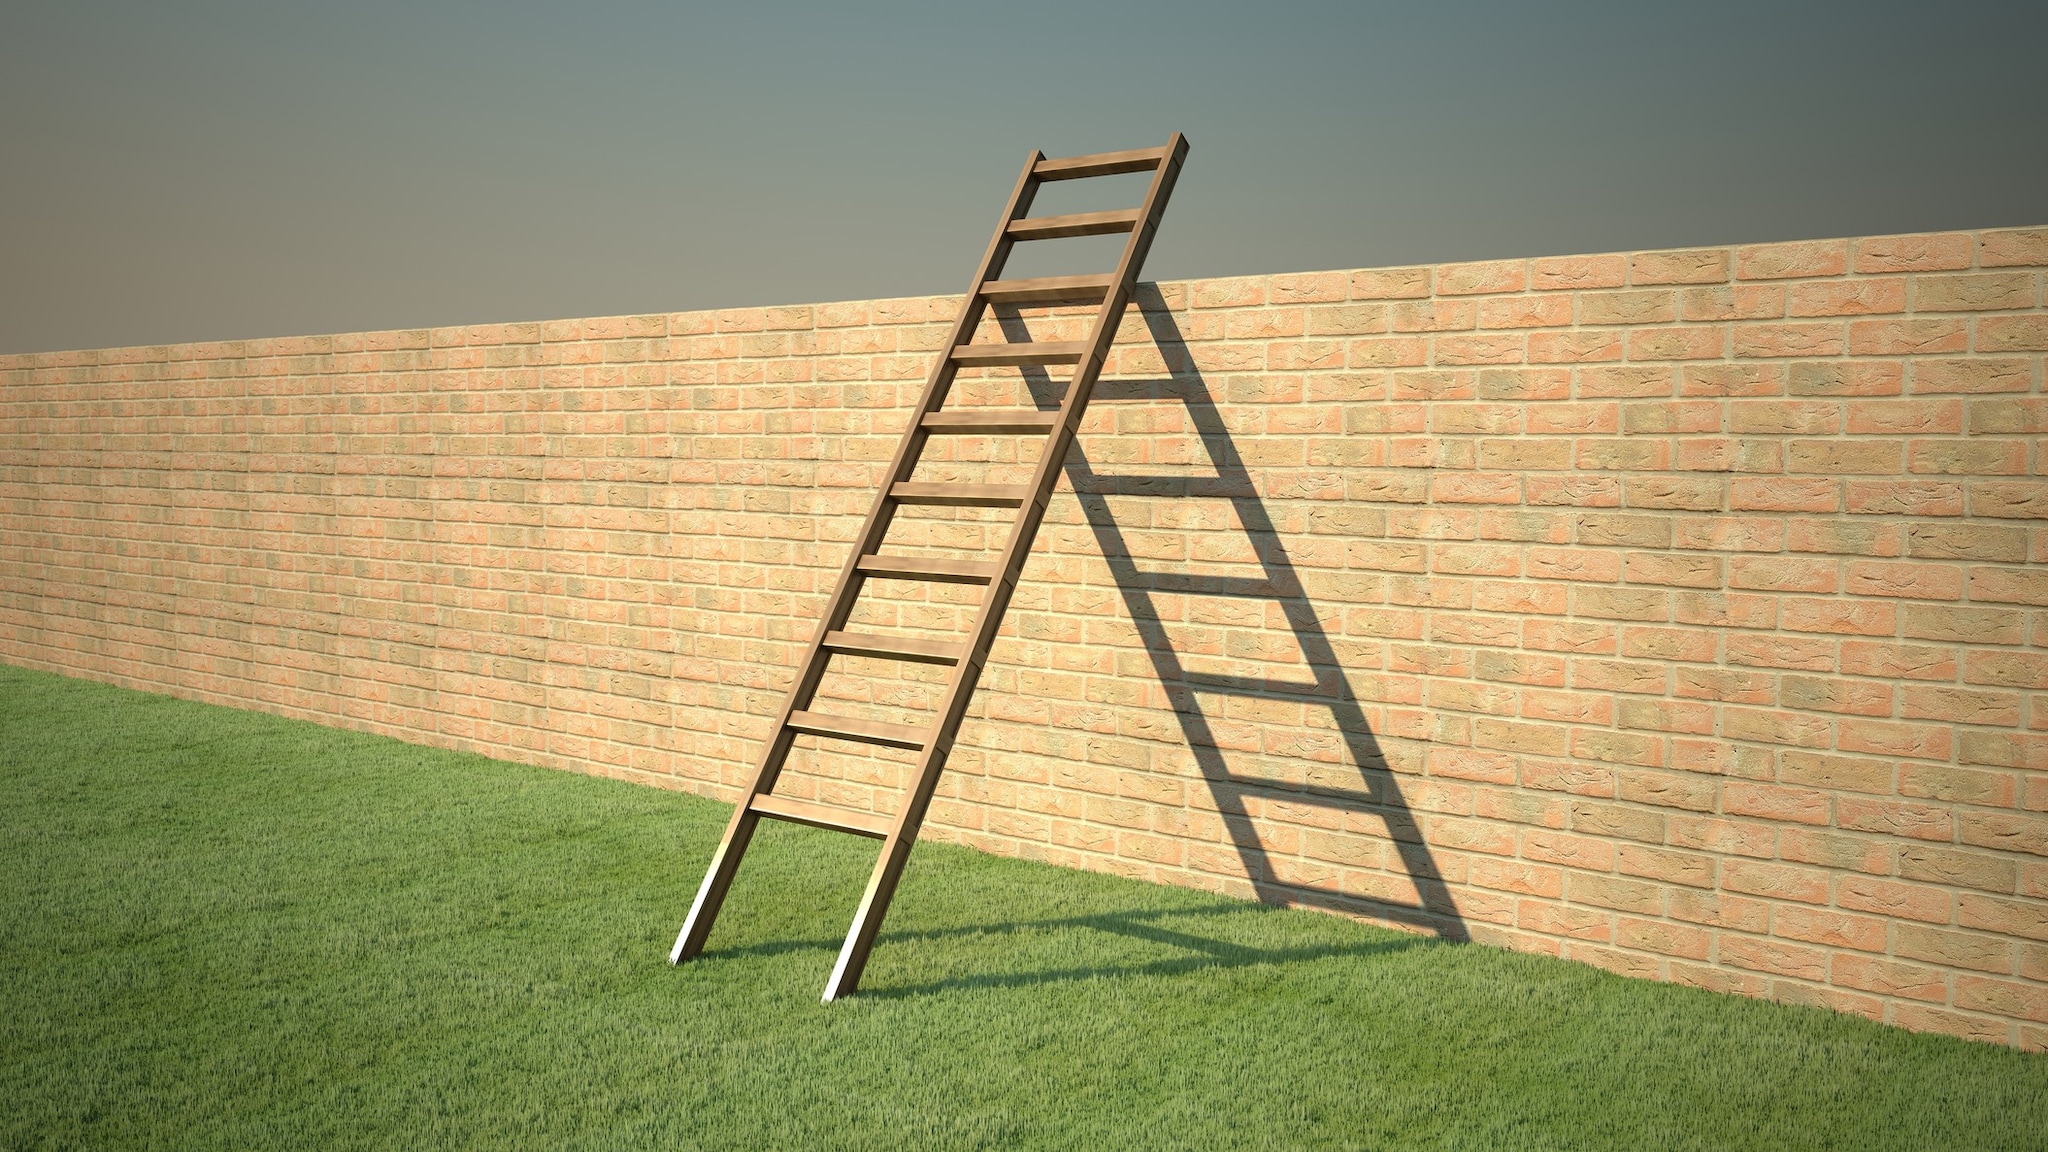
pixel 1682 613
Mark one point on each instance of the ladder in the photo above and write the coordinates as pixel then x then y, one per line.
pixel 899 833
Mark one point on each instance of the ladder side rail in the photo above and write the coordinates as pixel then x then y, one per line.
pixel 739 830
pixel 888 870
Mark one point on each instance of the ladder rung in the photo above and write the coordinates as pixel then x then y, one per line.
pixel 962 495
pixel 1046 289
pixel 1099 164
pixel 822 816
pixel 1001 423
pixel 894 647
pixel 1044 352
pixel 859 731
pixel 1076 224
pixel 930 568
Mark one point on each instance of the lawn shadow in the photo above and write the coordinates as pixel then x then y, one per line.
pixel 1204 953
pixel 1418 896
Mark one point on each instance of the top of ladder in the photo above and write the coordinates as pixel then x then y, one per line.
pixel 1100 164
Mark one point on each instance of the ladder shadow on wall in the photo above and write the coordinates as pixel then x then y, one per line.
pixel 1358 799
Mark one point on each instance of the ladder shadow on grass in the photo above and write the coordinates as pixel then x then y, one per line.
pixel 1201 953
pixel 1374 801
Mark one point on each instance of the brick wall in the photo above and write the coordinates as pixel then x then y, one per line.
pixel 1683 613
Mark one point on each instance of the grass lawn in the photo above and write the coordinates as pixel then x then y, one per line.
pixel 222 929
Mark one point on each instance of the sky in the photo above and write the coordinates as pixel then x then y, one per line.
pixel 177 172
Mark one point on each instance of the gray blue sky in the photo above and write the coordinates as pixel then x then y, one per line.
pixel 195 171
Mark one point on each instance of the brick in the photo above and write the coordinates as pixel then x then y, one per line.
pixel 1889 977
pixel 1965 458
pixel 1585 346
pixel 1765 726
pixel 1481 277
pixel 2007 998
pixel 1904 580
pixel 1353 320
pixel 1391 284
pixel 1724 684
pixel 1637 307
pixel 1688 868
pixel 1776 957
pixel 1958 784
pixel 1685 266
pixel 1911 337
pixel 1926 741
pixel 2007 334
pixel 1835 773
pixel 1969 950
pixel 1696 494
pixel 1682 571
pixel 1847 537
pixel 2003 915
pixel 1517 876
pixel 1926 252
pixel 1840 617
pixel 1852 458
pixel 1983 374
pixel 1795 259
pixel 1308 287
pixel 1845 378
pixel 1773 802
pixel 2008 832
pixel 1927 1018
pixel 1779 418
pixel 1775 881
pixel 1963 869
pixel 2010 501
pixel 1726 379
pixel 1992 417
pixel 1698 342
pixel 1663 937
pixel 1847 297
pixel 2013 247
pixel 1784 574
pixel 1955 623
pixel 1831 694
pixel 1525 312
pixel 1925 903
pixel 1613 892
pixel 1789 340
pixel 1783 495
pixel 2004 749
pixel 1905 417
pixel 2009 586
pixel 1980 292
pixel 1833 929
pixel 1564 920
pixel 1903 497
pixel 1552 273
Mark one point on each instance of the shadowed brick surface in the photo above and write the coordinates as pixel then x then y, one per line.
pixel 1684 613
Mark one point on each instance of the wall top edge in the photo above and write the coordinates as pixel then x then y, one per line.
pixel 1989 249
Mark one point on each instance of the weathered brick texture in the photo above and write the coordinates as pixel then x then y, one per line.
pixel 1684 613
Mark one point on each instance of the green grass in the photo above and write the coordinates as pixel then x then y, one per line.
pixel 222 929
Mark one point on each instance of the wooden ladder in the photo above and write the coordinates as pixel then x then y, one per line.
pixel 899 833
